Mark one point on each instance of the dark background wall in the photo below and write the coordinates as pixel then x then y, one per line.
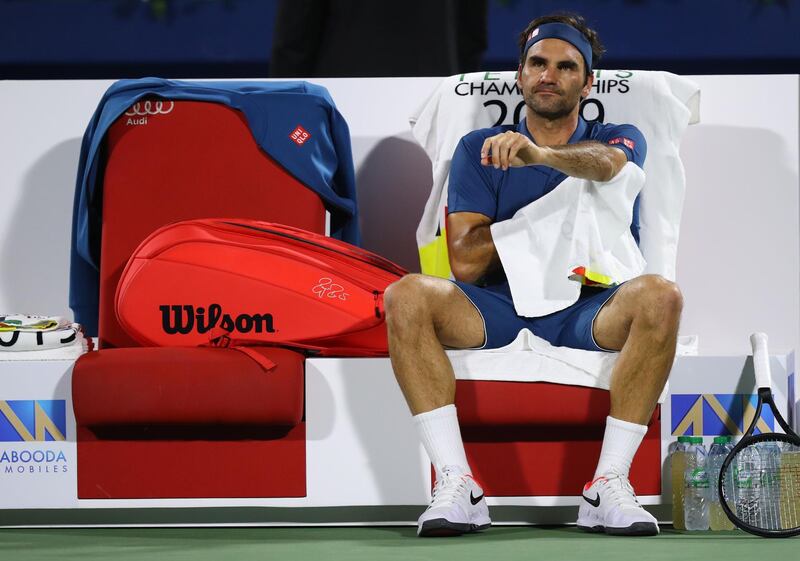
pixel 232 38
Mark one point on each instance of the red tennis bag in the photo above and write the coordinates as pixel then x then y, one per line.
pixel 246 282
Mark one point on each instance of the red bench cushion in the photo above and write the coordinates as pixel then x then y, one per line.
pixel 486 404
pixel 164 386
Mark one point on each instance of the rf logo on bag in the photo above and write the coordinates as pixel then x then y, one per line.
pixel 329 289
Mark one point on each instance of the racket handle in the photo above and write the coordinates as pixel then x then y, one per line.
pixel 761 360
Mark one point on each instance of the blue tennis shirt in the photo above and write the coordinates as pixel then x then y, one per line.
pixel 500 194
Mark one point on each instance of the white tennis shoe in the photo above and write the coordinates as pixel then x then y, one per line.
pixel 609 505
pixel 457 506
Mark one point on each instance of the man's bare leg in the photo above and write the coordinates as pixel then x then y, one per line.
pixel 641 320
pixel 422 314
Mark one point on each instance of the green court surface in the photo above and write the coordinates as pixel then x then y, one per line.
pixel 502 543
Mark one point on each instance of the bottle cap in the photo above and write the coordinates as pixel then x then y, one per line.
pixel 722 439
pixel 685 439
pixel 696 439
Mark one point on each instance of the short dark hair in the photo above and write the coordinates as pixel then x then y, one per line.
pixel 575 21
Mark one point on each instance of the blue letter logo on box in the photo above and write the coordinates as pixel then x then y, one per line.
pixel 33 420
pixel 717 414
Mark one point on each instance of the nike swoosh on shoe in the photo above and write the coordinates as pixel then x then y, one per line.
pixel 594 502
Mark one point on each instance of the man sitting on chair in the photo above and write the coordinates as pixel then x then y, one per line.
pixel 494 173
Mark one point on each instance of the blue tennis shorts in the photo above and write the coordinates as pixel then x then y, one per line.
pixel 571 327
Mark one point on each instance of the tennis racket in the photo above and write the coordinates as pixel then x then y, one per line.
pixel 759 481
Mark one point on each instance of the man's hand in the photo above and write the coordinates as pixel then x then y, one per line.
pixel 509 149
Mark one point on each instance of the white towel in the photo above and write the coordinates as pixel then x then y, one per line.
pixel 69 352
pixel 531 359
pixel 580 223
pixel 59 344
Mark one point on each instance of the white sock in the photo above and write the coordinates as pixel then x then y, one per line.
pixel 620 443
pixel 441 436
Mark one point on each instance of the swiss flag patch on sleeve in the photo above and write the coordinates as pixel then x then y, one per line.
pixel 627 142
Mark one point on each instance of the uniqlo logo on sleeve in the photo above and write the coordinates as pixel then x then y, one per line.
pixel 299 135
pixel 627 142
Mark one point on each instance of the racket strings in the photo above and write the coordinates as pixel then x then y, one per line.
pixel 762 486
pixel 790 482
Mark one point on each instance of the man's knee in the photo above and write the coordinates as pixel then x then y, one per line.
pixel 407 299
pixel 659 302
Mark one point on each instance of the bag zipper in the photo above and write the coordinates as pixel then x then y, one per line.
pixel 374 260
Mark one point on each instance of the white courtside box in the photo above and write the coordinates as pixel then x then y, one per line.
pixel 362 449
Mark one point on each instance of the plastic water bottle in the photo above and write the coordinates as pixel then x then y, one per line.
pixel 696 489
pixel 770 483
pixel 790 483
pixel 747 485
pixel 677 467
pixel 717 520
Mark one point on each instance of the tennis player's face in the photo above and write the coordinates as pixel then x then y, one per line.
pixel 553 79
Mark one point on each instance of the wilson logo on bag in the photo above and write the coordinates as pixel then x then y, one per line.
pixel 254 283
pixel 183 319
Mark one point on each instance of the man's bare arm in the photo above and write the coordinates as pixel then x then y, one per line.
pixel 585 160
pixel 470 246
